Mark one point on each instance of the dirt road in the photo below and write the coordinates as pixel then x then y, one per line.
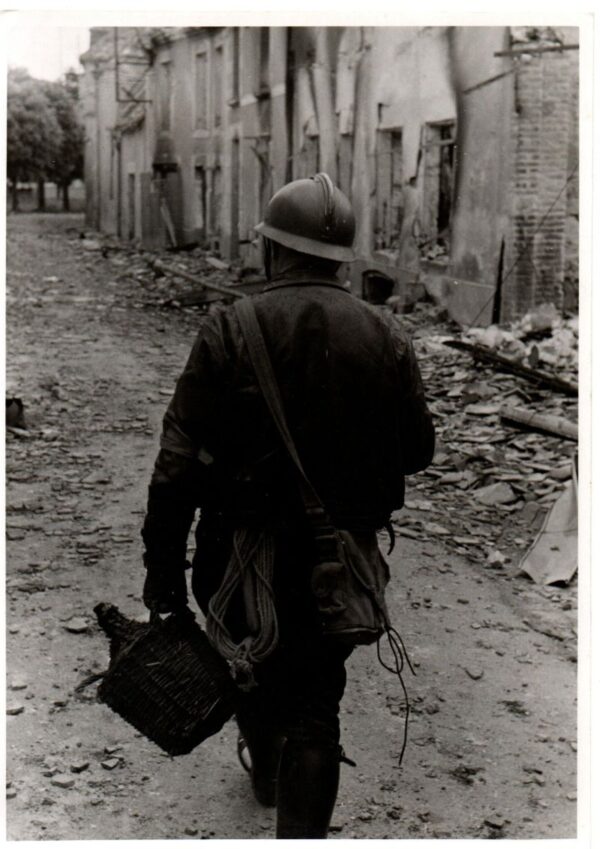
pixel 492 737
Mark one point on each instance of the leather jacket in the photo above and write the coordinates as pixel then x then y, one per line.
pixel 354 402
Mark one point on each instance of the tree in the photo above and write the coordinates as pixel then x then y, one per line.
pixel 63 97
pixel 44 134
pixel 33 134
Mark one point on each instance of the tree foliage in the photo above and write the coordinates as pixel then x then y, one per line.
pixel 44 134
pixel 63 100
pixel 33 133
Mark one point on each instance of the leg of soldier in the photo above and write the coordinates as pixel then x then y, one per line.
pixel 307 790
pixel 312 687
pixel 262 737
pixel 291 725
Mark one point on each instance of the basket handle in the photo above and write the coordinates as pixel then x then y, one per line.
pixel 184 612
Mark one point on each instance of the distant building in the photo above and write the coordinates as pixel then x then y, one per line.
pixel 457 145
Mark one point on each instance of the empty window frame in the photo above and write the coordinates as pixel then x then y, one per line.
pixel 131 187
pixel 263 60
pixel 389 193
pixel 217 85
pixel 215 206
pixel 200 201
pixel 438 182
pixel 201 90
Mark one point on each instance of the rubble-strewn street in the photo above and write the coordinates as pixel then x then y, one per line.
pixel 93 351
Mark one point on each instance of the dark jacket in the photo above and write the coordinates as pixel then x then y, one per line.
pixel 355 406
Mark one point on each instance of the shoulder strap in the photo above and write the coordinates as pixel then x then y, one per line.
pixel 261 362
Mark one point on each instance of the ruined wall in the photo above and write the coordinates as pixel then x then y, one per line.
pixel 402 88
pixel 483 85
pixel 456 160
pixel 544 131
pixel 110 155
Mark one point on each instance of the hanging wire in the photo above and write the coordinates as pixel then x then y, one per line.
pixel 527 248
pixel 399 654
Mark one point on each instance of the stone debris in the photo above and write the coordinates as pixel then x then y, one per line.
pixel 490 485
pixel 14 710
pixel 494 822
pixel 15 417
pixel 495 493
pixel 65 782
pixel 496 558
pixel 542 336
pixel 80 766
pixel 110 763
pixel 91 245
pixel 77 625
pixel 475 674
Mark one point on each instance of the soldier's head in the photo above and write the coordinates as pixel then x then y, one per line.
pixel 308 226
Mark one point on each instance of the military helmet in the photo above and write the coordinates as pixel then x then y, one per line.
pixel 311 216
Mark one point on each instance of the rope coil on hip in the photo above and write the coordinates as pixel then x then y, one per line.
pixel 250 569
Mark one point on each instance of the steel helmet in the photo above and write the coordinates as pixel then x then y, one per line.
pixel 311 216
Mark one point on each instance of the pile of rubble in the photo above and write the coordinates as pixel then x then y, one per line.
pixel 492 481
pixel 542 338
pixel 191 280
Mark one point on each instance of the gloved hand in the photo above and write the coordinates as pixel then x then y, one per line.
pixel 165 591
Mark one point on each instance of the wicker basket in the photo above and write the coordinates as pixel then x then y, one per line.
pixel 166 679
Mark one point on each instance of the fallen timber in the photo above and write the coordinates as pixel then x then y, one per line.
pixel 226 291
pixel 556 425
pixel 542 378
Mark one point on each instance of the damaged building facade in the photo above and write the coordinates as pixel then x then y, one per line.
pixel 458 147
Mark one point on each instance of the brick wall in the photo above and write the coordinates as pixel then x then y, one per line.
pixel 543 159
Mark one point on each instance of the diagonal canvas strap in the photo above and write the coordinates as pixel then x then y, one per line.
pixel 261 362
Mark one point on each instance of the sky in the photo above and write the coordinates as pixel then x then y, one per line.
pixel 46 51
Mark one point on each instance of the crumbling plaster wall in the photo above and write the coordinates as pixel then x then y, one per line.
pixel 402 83
pixel 411 84
pixel 483 85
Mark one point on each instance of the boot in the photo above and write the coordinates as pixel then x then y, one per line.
pixel 259 754
pixel 306 792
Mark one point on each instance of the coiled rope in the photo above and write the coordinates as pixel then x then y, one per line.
pixel 250 568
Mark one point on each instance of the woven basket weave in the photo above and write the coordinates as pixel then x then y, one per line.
pixel 166 679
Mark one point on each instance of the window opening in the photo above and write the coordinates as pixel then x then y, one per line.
pixel 390 198
pixel 438 189
pixel 217 86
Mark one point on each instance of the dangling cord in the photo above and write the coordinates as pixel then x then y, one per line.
pixel 389 529
pixel 399 653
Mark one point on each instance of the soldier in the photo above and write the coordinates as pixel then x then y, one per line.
pixel 355 406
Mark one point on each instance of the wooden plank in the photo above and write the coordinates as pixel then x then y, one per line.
pixel 556 425
pixel 542 378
